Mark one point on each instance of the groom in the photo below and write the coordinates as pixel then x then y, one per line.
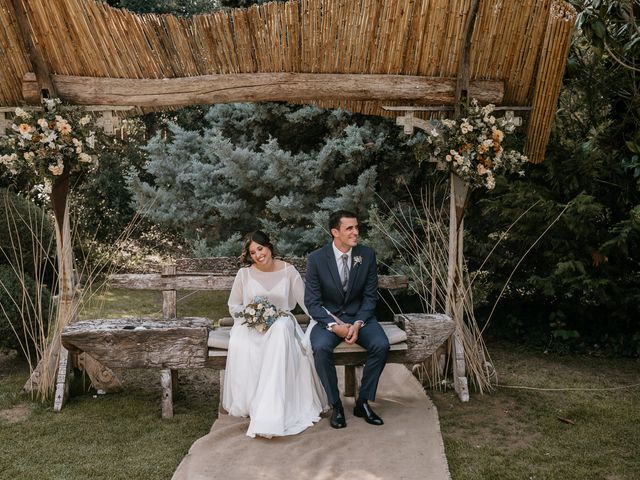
pixel 341 292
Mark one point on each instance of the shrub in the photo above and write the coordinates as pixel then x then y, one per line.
pixel 28 239
pixel 24 312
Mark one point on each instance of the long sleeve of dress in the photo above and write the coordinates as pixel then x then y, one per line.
pixel 296 291
pixel 236 298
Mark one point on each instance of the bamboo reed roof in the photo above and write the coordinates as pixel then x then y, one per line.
pixel 523 43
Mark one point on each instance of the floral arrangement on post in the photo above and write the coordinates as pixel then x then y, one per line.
pixel 49 144
pixel 473 147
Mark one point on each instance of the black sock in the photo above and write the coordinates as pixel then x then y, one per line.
pixel 361 401
pixel 338 404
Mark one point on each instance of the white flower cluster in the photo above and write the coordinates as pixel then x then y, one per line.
pixel 473 147
pixel 50 142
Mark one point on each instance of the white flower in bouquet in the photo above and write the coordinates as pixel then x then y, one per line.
pixel 20 112
pixel 85 158
pixel 57 169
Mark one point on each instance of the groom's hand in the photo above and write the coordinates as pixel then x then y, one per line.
pixel 352 335
pixel 341 330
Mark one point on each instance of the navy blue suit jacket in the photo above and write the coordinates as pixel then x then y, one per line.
pixel 323 288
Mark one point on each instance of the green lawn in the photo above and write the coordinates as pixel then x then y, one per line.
pixel 508 434
pixel 519 434
pixel 121 302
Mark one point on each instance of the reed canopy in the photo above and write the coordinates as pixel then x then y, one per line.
pixel 359 55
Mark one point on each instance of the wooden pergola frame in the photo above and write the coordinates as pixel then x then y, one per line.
pixel 423 94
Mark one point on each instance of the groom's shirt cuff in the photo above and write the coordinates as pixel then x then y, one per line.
pixel 330 326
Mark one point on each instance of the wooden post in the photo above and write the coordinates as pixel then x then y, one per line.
pixel 455 285
pixel 62 384
pixel 169 297
pixel 462 80
pixel 349 381
pixel 47 89
pixel 3 124
pixel 169 311
pixel 42 379
pixel 167 393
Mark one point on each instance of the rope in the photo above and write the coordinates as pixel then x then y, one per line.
pixel 567 389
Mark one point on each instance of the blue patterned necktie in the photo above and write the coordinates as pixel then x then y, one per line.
pixel 345 271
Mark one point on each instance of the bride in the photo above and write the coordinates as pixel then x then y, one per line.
pixel 270 376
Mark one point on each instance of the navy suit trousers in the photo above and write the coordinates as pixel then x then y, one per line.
pixel 371 337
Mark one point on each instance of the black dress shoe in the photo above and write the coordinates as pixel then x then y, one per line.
pixel 337 418
pixel 364 410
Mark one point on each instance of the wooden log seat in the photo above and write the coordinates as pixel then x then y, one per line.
pixel 192 342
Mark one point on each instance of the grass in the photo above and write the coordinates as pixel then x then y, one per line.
pixel 520 433
pixel 508 434
pixel 118 436
pixel 117 302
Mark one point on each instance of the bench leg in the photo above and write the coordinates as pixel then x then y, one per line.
pixel 459 369
pixel 174 380
pixel 167 393
pixel 352 380
pixel 62 382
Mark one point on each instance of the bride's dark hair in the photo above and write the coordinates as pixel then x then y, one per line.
pixel 260 238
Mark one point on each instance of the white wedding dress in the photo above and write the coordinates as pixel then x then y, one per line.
pixel 270 376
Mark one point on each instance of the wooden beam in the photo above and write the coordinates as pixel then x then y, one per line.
pixel 264 87
pixel 35 55
pixel 463 84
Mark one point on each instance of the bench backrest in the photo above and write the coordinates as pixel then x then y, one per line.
pixel 212 274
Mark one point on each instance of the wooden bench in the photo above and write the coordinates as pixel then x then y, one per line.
pixel 177 343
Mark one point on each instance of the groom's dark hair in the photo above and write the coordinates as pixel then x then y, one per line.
pixel 336 217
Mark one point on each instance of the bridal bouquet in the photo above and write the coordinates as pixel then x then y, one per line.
pixel 260 314
pixel 473 146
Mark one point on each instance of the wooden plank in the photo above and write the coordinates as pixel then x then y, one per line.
pixel 102 378
pixel 156 281
pixel 193 281
pixel 141 342
pixel 262 87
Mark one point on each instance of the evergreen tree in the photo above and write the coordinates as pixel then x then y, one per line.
pixel 277 167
